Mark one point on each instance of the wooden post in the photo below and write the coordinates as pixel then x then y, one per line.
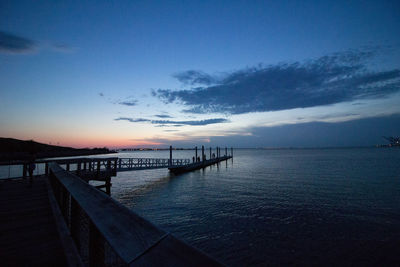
pixel 195 160
pixel 96 246
pixel 108 185
pixel 115 167
pixel 78 169
pixel 24 171
pixel 68 166
pixel 210 153
pixel 46 168
pixel 202 153
pixel 226 151
pixel 170 155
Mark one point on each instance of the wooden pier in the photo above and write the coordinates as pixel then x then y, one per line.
pixel 28 230
pixel 61 220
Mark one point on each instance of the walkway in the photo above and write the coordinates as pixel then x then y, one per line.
pixel 28 233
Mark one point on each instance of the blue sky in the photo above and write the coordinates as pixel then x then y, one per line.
pixel 235 73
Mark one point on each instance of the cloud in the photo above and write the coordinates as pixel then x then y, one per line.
pixel 192 77
pixel 61 47
pixel 10 43
pixel 131 119
pixel 163 116
pixel 175 123
pixel 129 103
pixel 336 78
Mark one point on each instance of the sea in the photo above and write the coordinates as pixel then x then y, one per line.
pixel 332 206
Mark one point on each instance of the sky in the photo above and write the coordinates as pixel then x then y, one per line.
pixel 185 73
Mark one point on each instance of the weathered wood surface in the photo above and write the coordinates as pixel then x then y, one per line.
pixel 28 233
pixel 131 237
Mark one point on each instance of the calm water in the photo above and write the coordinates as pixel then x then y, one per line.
pixel 321 206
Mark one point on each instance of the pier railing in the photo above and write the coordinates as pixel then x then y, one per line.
pixel 107 233
pixel 148 163
pixel 92 167
pixel 81 166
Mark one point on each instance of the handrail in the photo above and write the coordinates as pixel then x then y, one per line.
pixel 59 161
pixel 108 233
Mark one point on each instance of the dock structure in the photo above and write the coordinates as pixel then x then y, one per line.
pixel 197 165
pixel 61 220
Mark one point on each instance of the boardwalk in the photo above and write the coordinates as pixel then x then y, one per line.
pixel 28 232
pixel 61 220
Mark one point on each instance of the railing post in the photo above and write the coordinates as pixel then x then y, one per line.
pixel 115 167
pixel 226 151
pixel 96 246
pixel 24 169
pixel 170 155
pixel 210 153
pixel 78 168
pixel 46 168
pixel 202 153
pixel 196 155
pixel 68 166
pixel 108 165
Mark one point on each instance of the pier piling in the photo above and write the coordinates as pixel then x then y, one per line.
pixel 170 155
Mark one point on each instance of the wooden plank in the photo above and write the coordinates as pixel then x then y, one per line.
pixel 28 235
pixel 170 251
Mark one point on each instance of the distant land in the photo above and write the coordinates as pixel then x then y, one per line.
pixel 14 149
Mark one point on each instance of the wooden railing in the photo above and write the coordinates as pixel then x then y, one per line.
pixel 97 167
pixel 81 166
pixel 107 233
pixel 148 163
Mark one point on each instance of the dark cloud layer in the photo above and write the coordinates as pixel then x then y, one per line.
pixel 361 132
pixel 327 80
pixel 163 116
pixel 175 123
pixel 10 43
pixel 192 77
pixel 129 103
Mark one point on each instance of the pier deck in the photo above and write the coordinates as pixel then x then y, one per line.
pixel 28 232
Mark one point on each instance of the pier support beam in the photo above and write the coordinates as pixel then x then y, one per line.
pixel 202 153
pixel 195 160
pixel 170 155
pixel 210 154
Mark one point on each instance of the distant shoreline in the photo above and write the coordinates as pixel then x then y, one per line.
pixel 16 150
